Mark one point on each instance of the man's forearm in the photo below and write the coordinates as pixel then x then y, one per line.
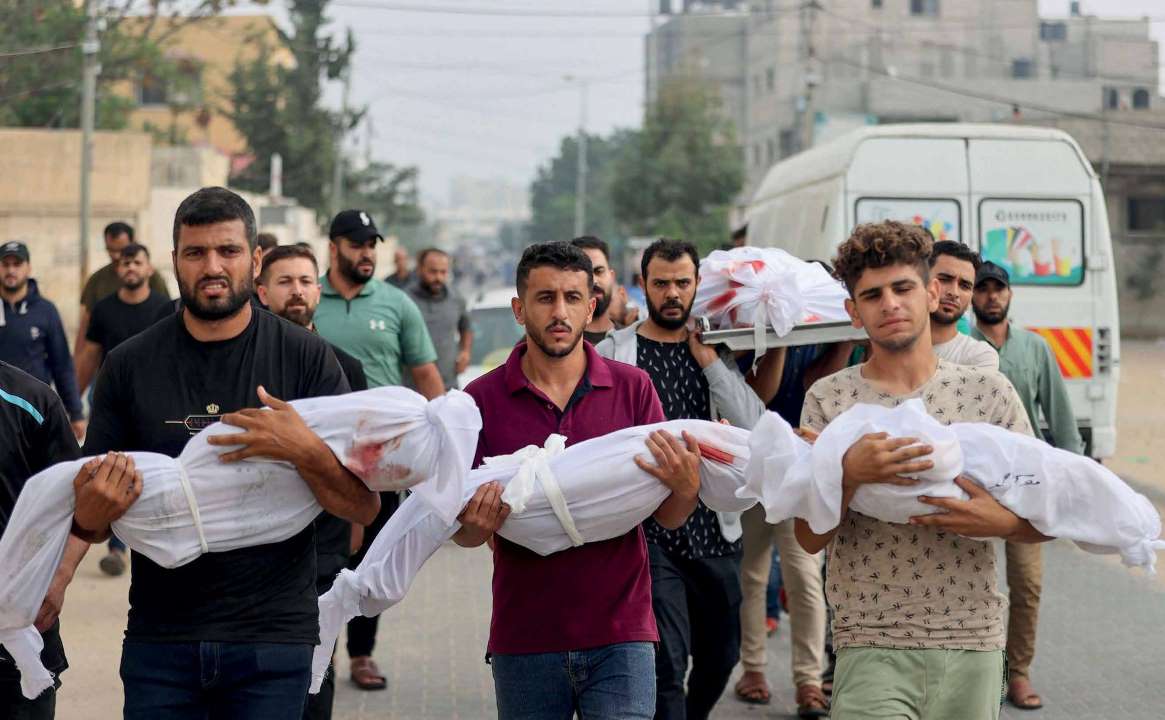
pixel 466 341
pixel 675 511
pixel 810 541
pixel 428 380
pixel 338 491
pixel 75 549
pixel 1027 534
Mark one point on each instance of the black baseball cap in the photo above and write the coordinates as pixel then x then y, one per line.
pixel 991 271
pixel 14 247
pixel 355 225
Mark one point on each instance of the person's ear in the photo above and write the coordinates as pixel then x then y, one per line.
pixel 932 295
pixel 262 290
pixel 852 308
pixel 519 311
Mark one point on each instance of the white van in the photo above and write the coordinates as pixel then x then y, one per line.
pixel 1025 197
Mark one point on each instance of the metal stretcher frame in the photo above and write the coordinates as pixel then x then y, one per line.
pixel 817 333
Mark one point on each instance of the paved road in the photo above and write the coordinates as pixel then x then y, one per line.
pixel 1101 650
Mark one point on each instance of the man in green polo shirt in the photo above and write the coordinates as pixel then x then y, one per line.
pixel 1027 361
pixel 381 327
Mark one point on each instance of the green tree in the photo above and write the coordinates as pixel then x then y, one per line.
pixel 552 194
pixel 40 73
pixel 387 191
pixel 683 170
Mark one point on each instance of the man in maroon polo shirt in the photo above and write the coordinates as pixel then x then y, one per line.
pixel 574 631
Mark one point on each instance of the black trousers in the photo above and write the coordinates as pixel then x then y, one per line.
pixel 362 630
pixel 14 706
pixel 319 706
pixel 697 609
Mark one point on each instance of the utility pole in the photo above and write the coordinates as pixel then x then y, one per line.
pixel 580 188
pixel 338 168
pixel 807 53
pixel 89 48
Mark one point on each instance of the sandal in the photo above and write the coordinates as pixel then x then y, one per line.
pixel 366 675
pixel 753 689
pixel 1022 696
pixel 811 702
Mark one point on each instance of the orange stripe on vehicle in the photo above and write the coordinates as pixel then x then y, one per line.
pixel 1072 348
pixel 1081 363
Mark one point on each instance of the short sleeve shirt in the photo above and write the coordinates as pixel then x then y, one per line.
pixel 381 327
pixel 585 597
pixel 905 586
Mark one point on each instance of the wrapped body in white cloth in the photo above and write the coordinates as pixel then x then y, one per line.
pixel 391 438
pixel 1063 495
pixel 559 497
pixel 766 287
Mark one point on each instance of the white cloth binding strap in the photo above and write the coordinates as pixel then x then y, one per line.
pixel 193 502
pixel 534 466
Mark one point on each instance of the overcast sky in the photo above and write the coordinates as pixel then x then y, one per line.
pixel 488 95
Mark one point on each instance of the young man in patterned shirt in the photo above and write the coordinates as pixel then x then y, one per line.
pixel 918 621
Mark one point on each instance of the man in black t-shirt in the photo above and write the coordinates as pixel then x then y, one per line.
pixel 36 434
pixel 289 287
pixel 231 634
pixel 115 319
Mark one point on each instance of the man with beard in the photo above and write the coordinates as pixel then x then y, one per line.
pixel 230 634
pixel 32 336
pixel 572 631
pixel 953 266
pixel 289 287
pixel 115 319
pixel 105 281
pixel 601 324
pixel 695 569
pixel 1027 361
pixel 445 314
pixel 917 617
pixel 380 326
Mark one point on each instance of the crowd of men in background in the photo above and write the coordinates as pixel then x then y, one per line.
pixel 660 617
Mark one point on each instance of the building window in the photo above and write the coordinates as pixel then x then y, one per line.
pixel 1112 98
pixel 1146 214
pixel 1053 31
pixel 1023 68
pixel 788 141
pixel 924 7
pixel 876 4
pixel 771 79
pixel 152 90
pixel 1140 99
pixel 182 87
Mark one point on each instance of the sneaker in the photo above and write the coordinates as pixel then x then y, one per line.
pixel 113 564
pixel 771 626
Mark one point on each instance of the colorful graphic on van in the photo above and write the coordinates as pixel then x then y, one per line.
pixel 938 215
pixel 1072 348
pixel 1040 242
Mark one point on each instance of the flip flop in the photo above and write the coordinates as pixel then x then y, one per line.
pixel 1028 701
pixel 753 694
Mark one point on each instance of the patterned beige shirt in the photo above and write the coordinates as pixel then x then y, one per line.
pixel 905 586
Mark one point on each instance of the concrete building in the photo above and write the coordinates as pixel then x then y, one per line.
pixel 193 107
pixel 814 70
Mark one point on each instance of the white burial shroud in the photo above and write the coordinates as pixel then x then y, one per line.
pixel 560 497
pixel 1063 495
pixel 391 438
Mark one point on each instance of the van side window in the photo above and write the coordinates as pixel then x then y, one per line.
pixel 1040 242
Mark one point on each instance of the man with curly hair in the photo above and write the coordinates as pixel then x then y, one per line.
pixel 918 621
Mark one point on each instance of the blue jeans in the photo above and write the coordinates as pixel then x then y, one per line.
pixel 214 681
pixel 613 682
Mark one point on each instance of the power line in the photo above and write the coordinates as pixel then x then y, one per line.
pixel 37 51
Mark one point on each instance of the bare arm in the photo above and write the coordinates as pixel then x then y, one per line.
pixel 428 380
pixel 88 356
pixel 82 328
pixel 50 609
pixel 979 516
pixel 766 379
pixel 281 434
pixel 678 468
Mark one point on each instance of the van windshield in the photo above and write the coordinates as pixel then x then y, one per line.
pixel 1039 242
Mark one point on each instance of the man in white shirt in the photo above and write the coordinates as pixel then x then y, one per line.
pixel 954 265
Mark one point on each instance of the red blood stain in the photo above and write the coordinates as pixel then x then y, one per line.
pixel 756 265
pixel 364 458
pixel 721 301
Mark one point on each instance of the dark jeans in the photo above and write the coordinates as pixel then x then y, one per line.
pixel 14 706
pixel 697 609
pixel 362 630
pixel 613 682
pixel 773 591
pixel 214 681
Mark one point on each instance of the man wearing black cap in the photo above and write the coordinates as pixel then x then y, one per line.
pixel 1027 361
pixel 31 334
pixel 381 327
